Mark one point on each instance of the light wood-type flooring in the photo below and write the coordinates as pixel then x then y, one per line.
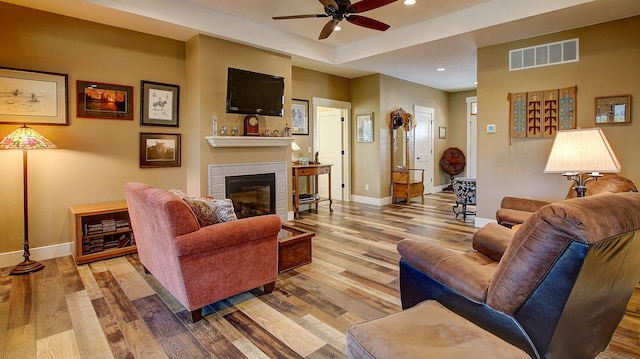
pixel 111 308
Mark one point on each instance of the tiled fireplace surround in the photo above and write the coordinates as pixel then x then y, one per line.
pixel 217 174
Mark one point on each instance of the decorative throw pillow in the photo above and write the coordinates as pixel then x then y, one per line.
pixel 211 211
pixel 178 193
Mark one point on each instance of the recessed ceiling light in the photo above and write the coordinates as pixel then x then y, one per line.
pixel 440 69
pixel 409 2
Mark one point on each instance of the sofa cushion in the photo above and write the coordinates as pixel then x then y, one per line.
pixel 211 211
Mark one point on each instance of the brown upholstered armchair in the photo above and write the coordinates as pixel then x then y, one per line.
pixel 560 289
pixel 404 186
pixel 201 265
pixel 515 210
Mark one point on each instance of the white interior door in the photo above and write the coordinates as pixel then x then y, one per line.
pixel 424 140
pixel 329 148
pixel 472 136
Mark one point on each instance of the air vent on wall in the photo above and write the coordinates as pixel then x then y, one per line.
pixel 554 53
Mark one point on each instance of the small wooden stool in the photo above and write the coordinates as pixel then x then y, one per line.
pixel 427 330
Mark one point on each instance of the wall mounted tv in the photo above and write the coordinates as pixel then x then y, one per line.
pixel 253 93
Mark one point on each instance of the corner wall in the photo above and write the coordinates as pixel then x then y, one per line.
pixel 95 157
pixel 608 65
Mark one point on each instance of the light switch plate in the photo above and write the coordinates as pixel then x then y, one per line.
pixel 491 128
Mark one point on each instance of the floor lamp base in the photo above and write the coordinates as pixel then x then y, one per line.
pixel 26 267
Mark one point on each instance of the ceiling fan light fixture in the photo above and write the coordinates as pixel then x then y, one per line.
pixel 337 28
pixel 409 2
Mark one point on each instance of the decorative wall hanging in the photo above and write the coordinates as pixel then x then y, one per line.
pixel 159 150
pixel 364 128
pixel 101 100
pixel 299 117
pixel 33 97
pixel 542 113
pixel 159 104
pixel 613 109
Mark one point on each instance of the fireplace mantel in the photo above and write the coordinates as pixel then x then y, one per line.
pixel 248 141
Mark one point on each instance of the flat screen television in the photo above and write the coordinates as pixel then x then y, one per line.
pixel 253 93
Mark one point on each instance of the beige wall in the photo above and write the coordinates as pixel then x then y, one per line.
pixel 308 84
pixel 397 93
pixel 95 157
pixel 380 95
pixel 608 65
pixel 208 59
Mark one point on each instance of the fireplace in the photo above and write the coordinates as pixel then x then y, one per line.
pixel 252 195
pixel 219 172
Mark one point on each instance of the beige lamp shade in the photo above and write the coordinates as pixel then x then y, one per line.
pixel 581 151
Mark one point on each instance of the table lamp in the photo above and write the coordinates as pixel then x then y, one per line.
pixel 25 138
pixel 580 155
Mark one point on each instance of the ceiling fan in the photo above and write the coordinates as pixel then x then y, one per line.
pixel 339 10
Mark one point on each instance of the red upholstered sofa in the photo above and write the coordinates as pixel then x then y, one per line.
pixel 201 265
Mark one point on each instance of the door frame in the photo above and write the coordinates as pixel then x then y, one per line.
pixel 472 139
pixel 429 185
pixel 345 108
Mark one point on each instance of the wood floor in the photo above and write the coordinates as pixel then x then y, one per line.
pixel 112 309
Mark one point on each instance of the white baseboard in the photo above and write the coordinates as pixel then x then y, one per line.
pixel 371 200
pixel 10 259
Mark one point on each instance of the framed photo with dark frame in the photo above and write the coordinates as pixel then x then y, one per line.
pixel 364 128
pixel 299 117
pixel 33 97
pixel 160 104
pixel 159 150
pixel 102 100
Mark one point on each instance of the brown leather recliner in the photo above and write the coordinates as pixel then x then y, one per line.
pixel 560 289
pixel 514 210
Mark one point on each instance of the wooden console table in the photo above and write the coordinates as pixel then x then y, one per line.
pixel 305 171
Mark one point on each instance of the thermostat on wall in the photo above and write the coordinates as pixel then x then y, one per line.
pixel 491 128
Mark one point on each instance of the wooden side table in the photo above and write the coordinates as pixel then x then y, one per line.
pixel 294 247
pixel 309 170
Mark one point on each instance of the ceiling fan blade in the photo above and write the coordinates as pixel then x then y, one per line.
pixel 328 3
pixel 367 22
pixel 298 16
pixel 328 29
pixel 366 5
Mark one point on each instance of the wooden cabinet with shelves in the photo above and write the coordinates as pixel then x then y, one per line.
pixel 100 231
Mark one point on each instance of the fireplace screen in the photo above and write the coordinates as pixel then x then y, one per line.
pixel 252 195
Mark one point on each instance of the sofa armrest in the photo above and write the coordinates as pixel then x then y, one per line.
pixel 469 277
pixel 522 204
pixel 228 234
pixel 492 240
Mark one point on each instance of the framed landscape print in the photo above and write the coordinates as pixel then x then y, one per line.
pixel 101 100
pixel 159 150
pixel 159 104
pixel 33 97
pixel 299 117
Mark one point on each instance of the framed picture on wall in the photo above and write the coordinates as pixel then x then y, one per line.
pixel 299 117
pixel 159 104
pixel 364 128
pixel 33 97
pixel 159 150
pixel 101 100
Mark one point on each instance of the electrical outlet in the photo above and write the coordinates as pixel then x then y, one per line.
pixel 309 149
pixel 366 187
